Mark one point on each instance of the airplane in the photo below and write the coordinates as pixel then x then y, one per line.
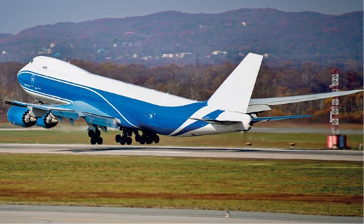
pixel 63 90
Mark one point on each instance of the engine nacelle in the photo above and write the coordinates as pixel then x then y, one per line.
pixel 47 121
pixel 21 116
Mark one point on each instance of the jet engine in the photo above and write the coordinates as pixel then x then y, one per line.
pixel 21 116
pixel 47 121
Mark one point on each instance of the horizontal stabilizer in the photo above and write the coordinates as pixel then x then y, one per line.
pixel 215 121
pixel 225 118
pixel 265 119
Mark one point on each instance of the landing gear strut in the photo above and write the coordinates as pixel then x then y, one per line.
pixel 95 137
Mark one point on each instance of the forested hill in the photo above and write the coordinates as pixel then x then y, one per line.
pixel 182 38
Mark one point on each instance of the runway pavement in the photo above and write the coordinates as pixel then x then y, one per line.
pixel 201 152
pixel 76 214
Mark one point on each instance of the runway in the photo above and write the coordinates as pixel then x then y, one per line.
pixel 77 214
pixel 198 152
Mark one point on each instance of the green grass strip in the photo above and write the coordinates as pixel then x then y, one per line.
pixel 308 187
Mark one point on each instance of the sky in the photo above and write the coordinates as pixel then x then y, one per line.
pixel 16 15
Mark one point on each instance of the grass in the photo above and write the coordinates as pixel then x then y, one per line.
pixel 265 140
pixel 308 187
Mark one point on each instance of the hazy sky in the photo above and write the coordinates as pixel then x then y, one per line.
pixel 16 15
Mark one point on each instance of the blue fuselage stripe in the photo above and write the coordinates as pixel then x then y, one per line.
pixel 199 124
pixel 135 113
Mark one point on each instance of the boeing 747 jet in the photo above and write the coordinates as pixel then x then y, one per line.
pixel 66 91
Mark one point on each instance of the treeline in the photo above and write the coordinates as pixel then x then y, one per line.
pixel 200 82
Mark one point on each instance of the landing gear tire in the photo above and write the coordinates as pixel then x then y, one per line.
pixel 149 140
pixel 128 140
pixel 117 138
pixel 137 138
pixel 93 140
pixel 156 139
pixel 122 141
pixel 100 140
pixel 142 140
pixel 91 133
pixel 95 137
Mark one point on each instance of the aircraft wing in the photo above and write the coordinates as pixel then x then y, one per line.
pixel 73 111
pixel 297 99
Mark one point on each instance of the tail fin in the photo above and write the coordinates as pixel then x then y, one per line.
pixel 235 92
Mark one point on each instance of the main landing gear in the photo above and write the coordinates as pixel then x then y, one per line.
pixel 124 139
pixel 95 137
pixel 145 138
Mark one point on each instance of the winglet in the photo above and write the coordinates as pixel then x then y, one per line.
pixel 235 92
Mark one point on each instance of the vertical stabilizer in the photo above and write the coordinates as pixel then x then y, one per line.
pixel 235 92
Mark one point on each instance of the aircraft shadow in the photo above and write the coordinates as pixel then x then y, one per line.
pixel 135 148
pixel 101 149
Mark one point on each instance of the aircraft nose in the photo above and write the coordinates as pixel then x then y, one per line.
pixel 24 75
pixel 25 68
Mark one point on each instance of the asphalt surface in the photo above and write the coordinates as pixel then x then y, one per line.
pixel 200 152
pixel 76 214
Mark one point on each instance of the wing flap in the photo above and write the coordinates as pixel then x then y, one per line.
pixel 65 114
pixel 101 121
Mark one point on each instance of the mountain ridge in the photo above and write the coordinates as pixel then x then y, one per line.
pixel 187 38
